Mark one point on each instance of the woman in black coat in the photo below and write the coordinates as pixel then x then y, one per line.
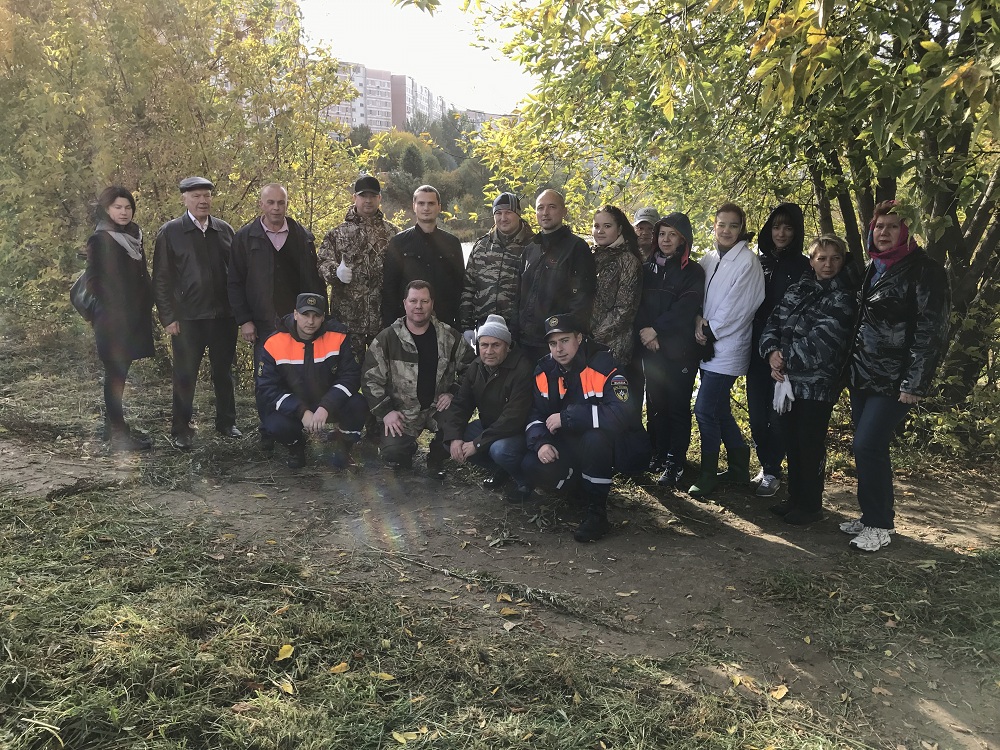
pixel 123 317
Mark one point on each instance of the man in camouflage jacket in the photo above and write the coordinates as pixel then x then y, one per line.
pixel 350 259
pixel 493 272
pixel 411 373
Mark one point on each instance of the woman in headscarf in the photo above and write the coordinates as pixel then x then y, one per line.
pixel 901 337
pixel 806 341
pixel 123 317
pixel 673 289
pixel 734 289
pixel 619 282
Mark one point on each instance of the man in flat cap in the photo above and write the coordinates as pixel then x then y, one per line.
pixel 494 269
pixel 350 259
pixel 273 262
pixel 308 377
pixel 190 269
pixel 583 423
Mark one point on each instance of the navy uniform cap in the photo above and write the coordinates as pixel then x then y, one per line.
pixel 562 323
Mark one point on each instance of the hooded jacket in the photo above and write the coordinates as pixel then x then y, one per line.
pixel 672 296
pixel 783 269
pixel 734 289
pixel 812 327
pixel 902 327
pixel 296 376
pixel 492 277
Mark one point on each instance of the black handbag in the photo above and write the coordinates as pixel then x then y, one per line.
pixel 82 298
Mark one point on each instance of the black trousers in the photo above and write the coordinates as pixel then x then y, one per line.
pixel 218 336
pixel 805 429
pixel 350 418
pixel 588 455
pixel 115 374
pixel 669 384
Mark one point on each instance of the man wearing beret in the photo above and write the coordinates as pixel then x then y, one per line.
pixel 190 269
pixel 350 259
pixel 494 269
pixel 308 377
pixel 498 385
pixel 582 422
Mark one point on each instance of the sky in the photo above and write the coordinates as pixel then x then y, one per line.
pixel 435 50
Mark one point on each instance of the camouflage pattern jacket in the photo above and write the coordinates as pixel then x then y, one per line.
pixel 619 290
pixel 492 277
pixel 361 244
pixel 389 375
pixel 812 327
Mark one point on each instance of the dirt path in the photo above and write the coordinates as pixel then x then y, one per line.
pixel 677 579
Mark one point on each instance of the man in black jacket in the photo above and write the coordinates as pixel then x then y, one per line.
pixel 273 261
pixel 498 384
pixel 427 252
pixel 559 276
pixel 307 377
pixel 190 267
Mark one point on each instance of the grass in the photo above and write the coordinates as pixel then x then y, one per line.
pixel 946 608
pixel 120 630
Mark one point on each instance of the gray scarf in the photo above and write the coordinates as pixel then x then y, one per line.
pixel 132 245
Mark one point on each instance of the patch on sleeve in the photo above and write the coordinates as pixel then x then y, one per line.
pixel 619 386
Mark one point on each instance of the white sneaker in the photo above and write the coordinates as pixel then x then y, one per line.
pixel 759 478
pixel 768 486
pixel 871 539
pixel 855 527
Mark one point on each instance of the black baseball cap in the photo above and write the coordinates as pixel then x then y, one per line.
pixel 367 184
pixel 309 302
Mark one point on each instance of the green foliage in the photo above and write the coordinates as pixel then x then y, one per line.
pixel 145 95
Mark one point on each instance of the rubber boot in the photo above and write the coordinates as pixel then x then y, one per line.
pixel 595 525
pixel 737 465
pixel 708 479
pixel 296 454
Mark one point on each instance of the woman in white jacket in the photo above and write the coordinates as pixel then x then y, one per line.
pixel 734 289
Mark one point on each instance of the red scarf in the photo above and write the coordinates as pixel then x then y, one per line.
pixel 903 247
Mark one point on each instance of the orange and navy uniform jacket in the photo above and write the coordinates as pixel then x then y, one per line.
pixel 591 393
pixel 295 376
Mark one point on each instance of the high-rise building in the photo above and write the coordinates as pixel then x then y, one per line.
pixel 373 105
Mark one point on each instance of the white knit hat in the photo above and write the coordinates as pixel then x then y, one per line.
pixel 496 327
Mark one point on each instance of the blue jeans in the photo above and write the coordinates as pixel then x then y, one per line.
pixel 507 453
pixel 714 414
pixel 875 420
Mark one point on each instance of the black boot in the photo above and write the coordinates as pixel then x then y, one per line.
pixel 339 455
pixel 123 440
pixel 595 525
pixel 297 454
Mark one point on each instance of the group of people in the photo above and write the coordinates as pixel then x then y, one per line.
pixel 553 344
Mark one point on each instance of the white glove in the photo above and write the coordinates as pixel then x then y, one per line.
pixel 470 337
pixel 344 273
pixel 783 396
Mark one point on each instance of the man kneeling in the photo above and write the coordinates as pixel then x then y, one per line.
pixel 498 384
pixel 581 409
pixel 308 377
